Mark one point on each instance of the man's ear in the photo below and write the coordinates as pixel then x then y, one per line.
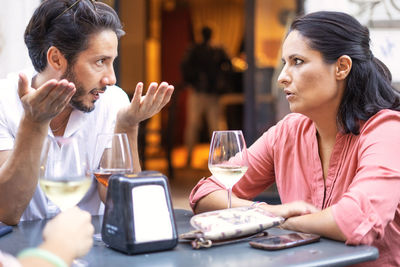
pixel 343 67
pixel 56 59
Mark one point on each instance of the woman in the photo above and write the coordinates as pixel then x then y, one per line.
pixel 66 237
pixel 336 158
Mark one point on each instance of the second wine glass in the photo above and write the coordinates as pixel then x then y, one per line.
pixel 112 156
pixel 227 160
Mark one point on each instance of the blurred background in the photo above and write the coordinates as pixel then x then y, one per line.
pixel 160 35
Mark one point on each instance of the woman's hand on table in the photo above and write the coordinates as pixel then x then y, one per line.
pixel 303 217
pixel 296 208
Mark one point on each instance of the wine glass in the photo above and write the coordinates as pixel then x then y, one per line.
pixel 64 174
pixel 112 156
pixel 227 160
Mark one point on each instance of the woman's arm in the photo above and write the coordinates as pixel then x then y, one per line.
pixel 321 223
pixel 218 200
pixel 301 216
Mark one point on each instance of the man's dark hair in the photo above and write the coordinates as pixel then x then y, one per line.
pixel 368 85
pixel 67 25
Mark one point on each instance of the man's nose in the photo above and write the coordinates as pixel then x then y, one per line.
pixel 109 77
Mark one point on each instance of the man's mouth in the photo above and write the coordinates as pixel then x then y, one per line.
pixel 96 92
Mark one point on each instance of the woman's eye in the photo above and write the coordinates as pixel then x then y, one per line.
pixel 298 61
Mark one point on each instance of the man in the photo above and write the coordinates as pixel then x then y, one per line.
pixel 72 45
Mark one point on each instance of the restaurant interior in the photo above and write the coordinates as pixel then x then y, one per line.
pixel 158 36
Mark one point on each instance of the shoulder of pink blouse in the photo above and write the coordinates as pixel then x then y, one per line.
pixel 362 219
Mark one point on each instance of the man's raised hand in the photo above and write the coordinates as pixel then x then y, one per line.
pixel 47 101
pixel 144 107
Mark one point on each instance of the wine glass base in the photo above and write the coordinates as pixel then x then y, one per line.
pixel 97 237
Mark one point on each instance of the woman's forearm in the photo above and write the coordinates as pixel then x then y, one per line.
pixel 321 223
pixel 219 200
pixel 301 216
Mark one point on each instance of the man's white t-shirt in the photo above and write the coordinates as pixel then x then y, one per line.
pixel 85 126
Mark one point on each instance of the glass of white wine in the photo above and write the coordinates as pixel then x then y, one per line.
pixel 227 160
pixel 64 174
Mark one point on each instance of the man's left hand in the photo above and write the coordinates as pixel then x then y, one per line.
pixel 144 107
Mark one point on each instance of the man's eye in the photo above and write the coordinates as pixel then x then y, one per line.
pixel 100 62
pixel 298 61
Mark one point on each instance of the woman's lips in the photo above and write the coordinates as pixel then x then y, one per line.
pixel 289 95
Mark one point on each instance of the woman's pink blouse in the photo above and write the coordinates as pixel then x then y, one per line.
pixel 362 186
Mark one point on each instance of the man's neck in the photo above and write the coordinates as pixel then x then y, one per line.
pixel 59 123
pixel 42 77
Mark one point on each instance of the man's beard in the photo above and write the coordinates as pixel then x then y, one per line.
pixel 75 101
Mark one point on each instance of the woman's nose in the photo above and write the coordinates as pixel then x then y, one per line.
pixel 283 78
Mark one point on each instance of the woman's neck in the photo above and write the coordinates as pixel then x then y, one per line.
pixel 327 130
pixel 326 137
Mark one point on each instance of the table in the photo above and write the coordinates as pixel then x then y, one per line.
pixel 324 253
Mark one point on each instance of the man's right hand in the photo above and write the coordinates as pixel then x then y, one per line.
pixel 46 102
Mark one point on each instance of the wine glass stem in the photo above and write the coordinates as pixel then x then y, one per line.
pixel 229 197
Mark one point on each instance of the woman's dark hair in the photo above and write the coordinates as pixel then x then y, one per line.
pixel 369 88
pixel 67 25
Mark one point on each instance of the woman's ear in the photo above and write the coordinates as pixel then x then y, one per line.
pixel 343 67
pixel 56 59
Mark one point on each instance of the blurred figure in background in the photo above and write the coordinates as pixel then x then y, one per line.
pixel 206 70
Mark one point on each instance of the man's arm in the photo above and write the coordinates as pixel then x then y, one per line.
pixel 19 171
pixel 19 167
pixel 140 109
